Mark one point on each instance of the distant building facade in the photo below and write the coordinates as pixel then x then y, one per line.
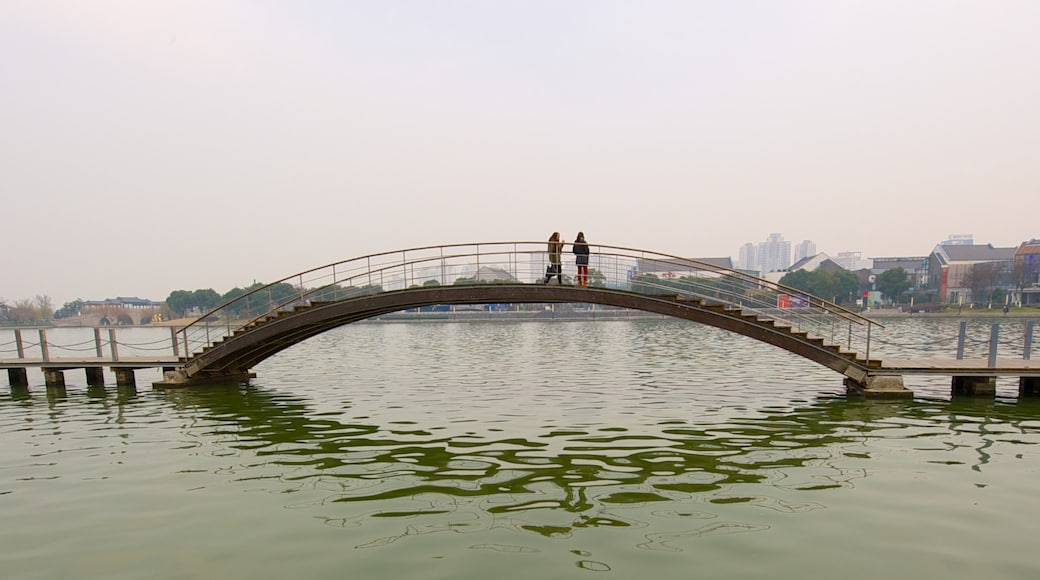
pixel 852 261
pixel 952 266
pixel 804 249
pixel 815 262
pixel 1026 273
pixel 490 274
pixel 748 257
pixel 916 269
pixel 122 302
pixel 774 254
pixel 960 240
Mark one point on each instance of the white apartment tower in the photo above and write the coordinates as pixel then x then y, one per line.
pixel 774 254
pixel 748 259
pixel 806 249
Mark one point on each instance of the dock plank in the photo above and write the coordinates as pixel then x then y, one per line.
pixel 969 366
pixel 91 362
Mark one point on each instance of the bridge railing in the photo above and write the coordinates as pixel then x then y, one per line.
pixel 524 262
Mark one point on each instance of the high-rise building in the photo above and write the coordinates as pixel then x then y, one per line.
pixel 806 249
pixel 852 261
pixel 748 258
pixel 774 254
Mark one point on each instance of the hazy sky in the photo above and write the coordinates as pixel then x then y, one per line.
pixel 153 146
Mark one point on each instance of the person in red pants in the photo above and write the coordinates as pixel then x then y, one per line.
pixel 581 259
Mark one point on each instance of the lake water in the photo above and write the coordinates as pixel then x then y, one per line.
pixel 639 448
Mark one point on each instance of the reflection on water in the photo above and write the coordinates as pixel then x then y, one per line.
pixel 462 450
pixel 579 474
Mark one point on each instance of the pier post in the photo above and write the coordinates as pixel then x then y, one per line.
pixel 54 377
pixel 17 377
pixel 45 352
pixel 1029 387
pixel 113 345
pixel 960 340
pixel 125 377
pixel 97 342
pixel 18 344
pixel 1028 346
pixel 971 386
pixel 173 341
pixel 95 376
pixel 994 334
pixel 877 386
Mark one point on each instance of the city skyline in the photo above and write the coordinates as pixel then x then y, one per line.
pixel 151 146
pixel 850 260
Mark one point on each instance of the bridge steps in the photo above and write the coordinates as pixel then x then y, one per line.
pixel 260 322
pixel 802 335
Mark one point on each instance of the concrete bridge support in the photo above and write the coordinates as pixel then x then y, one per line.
pixel 125 377
pixel 974 387
pixel 878 386
pixel 1029 387
pixel 17 377
pixel 95 376
pixel 180 378
pixel 54 377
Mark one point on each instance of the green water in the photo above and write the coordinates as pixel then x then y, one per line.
pixel 628 449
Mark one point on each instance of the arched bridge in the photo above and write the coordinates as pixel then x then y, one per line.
pixel 228 341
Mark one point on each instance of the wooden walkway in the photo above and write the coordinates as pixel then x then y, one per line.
pixel 978 367
pixel 127 362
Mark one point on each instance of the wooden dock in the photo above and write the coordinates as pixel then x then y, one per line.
pixel 980 367
pixel 129 362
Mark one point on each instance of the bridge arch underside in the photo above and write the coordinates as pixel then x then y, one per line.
pixel 235 356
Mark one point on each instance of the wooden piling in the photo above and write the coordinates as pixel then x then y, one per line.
pixel 125 377
pixel 17 377
pixel 95 376
pixel 54 377
pixel 973 386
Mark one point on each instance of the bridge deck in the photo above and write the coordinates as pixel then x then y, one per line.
pixel 960 367
pixel 128 362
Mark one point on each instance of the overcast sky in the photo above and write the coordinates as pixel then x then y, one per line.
pixel 152 146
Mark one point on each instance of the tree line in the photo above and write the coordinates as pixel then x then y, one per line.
pixel 27 310
pixel 985 280
pixel 843 286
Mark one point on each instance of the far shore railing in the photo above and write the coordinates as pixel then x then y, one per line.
pixel 612 267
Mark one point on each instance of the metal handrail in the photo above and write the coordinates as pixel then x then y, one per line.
pixel 622 267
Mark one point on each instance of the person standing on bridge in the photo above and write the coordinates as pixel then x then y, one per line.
pixel 581 259
pixel 555 259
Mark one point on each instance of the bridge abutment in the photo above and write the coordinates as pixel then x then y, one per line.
pixel 180 378
pixel 971 386
pixel 877 386
pixel 1029 387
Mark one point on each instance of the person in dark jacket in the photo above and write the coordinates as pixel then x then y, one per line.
pixel 555 259
pixel 581 258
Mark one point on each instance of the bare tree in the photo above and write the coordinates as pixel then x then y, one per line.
pixel 44 307
pixel 22 311
pixel 982 278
